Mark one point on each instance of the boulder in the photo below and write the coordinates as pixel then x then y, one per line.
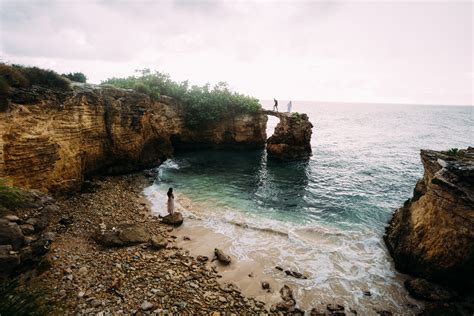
pixel 12 218
pixel 27 229
pixel 265 285
pixel 425 290
pixel 222 257
pixel 158 242
pixel 122 235
pixel 292 137
pixel 288 302
pixel 11 234
pixel 431 236
pixel 174 219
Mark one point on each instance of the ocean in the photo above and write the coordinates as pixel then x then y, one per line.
pixel 324 217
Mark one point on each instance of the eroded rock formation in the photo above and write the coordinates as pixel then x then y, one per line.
pixel 52 140
pixel 292 137
pixel 432 235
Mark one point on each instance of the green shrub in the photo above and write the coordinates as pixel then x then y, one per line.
pixel 9 196
pixel 12 77
pixel 77 77
pixel 18 76
pixel 202 105
pixel 455 152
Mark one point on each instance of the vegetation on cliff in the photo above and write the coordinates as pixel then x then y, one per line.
pixel 9 196
pixel 202 105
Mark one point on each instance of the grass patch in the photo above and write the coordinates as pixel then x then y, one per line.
pixel 10 197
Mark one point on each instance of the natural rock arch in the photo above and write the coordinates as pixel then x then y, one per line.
pixel 292 137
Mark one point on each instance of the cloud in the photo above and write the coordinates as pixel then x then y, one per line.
pixel 299 50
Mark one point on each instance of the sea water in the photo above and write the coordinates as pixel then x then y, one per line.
pixel 324 217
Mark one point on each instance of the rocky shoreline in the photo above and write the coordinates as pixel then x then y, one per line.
pixel 86 278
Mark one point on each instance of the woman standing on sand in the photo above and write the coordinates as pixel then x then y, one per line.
pixel 170 201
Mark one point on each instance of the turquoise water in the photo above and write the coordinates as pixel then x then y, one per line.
pixel 330 212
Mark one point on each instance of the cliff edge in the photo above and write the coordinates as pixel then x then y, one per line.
pixel 432 234
pixel 51 140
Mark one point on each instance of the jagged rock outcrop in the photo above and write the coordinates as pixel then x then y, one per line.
pixel 292 137
pixel 432 235
pixel 52 140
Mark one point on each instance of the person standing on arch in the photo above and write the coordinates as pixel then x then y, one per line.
pixel 289 105
pixel 275 105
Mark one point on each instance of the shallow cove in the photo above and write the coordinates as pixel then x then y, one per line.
pixel 324 217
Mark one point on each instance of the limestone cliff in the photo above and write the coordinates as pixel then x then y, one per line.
pixel 292 137
pixel 52 140
pixel 432 235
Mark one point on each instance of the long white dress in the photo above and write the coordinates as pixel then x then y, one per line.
pixel 170 204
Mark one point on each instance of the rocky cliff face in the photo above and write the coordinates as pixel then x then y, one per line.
pixel 52 140
pixel 292 137
pixel 432 235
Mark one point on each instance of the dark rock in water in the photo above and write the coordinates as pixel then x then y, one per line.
pixel 292 137
pixel 367 293
pixel 279 268
pixel 186 238
pixel 265 285
pixel 222 257
pixel 174 219
pixel 158 242
pixel 123 235
pixel 295 274
pixel 384 313
pixel 202 258
pixel 11 234
pixel 431 235
pixel 288 302
pixel 424 290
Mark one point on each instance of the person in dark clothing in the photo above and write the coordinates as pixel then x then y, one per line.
pixel 275 105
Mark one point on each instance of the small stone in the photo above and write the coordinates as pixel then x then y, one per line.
pixel 222 257
pixel 146 306
pixel 202 258
pixel 279 268
pixel 367 293
pixel 265 285
pixel 81 294
pixel 222 299
pixel 186 238
pixel 83 271
pixel 12 218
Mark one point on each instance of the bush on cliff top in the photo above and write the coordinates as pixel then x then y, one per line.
pixel 202 105
pixel 77 77
pixel 24 77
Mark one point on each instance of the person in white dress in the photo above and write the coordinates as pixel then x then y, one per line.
pixel 289 106
pixel 170 202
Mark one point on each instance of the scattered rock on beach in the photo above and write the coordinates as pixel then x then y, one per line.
pixel 222 257
pixel 122 235
pixel 174 219
pixel 158 242
pixel 288 302
pixel 295 274
pixel 335 308
pixel 202 258
pixel 146 306
pixel 265 285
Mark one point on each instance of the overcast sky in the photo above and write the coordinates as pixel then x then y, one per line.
pixel 391 51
